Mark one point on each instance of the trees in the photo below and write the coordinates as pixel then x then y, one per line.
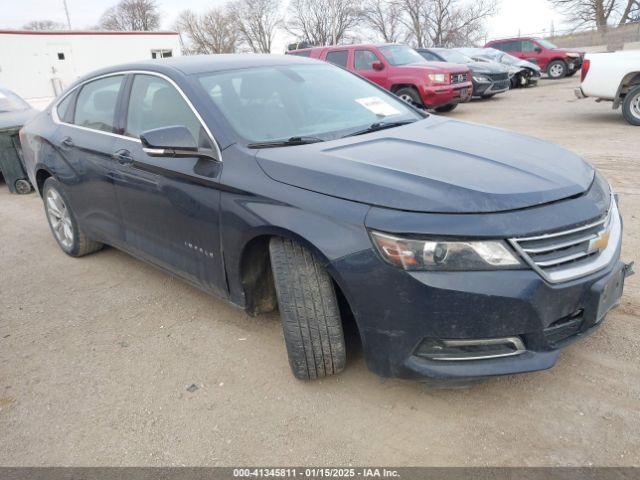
pixel 131 15
pixel 256 22
pixel 598 13
pixel 323 22
pixel 211 32
pixel 383 17
pixel 44 25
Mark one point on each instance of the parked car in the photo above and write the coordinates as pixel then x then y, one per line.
pixel 614 77
pixel 403 71
pixel 488 78
pixel 459 250
pixel 14 112
pixel 521 72
pixel 555 62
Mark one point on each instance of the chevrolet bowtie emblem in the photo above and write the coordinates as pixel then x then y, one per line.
pixel 599 243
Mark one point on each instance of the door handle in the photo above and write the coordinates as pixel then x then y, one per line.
pixel 123 157
pixel 66 142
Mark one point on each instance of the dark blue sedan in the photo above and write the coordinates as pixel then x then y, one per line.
pixel 459 250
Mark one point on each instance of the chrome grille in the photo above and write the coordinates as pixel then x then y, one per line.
pixel 498 76
pixel 458 78
pixel 564 255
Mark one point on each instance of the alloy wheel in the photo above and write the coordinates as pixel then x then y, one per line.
pixel 556 70
pixel 59 219
pixel 635 106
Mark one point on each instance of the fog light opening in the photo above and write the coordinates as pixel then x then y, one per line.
pixel 476 349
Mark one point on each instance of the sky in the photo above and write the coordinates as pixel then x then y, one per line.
pixel 514 16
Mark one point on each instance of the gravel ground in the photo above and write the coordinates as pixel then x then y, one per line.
pixel 97 354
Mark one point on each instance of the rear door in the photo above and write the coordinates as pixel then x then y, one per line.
pixel 338 57
pixel 170 206
pixel 85 141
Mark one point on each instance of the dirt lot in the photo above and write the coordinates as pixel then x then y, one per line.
pixel 96 355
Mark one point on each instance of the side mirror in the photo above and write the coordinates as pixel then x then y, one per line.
pixel 537 49
pixel 175 141
pixel 377 65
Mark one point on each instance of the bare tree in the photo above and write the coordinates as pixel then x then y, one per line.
pixel 446 23
pixel 211 32
pixel 598 13
pixel 256 22
pixel 631 12
pixel 323 22
pixel 131 15
pixel 383 17
pixel 44 25
pixel 415 18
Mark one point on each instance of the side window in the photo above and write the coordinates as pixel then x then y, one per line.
pixel 429 56
pixel 155 103
pixel 64 108
pixel 338 57
pixel 363 59
pixel 96 104
pixel 528 46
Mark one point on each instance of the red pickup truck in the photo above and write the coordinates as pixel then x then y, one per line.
pixel 402 70
pixel 556 62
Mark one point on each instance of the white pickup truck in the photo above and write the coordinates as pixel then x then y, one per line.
pixel 613 77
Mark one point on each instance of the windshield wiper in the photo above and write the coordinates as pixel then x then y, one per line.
pixel 374 127
pixel 286 143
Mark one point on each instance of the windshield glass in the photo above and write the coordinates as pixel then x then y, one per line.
pixel 281 102
pixel 10 102
pixel 546 43
pixel 401 55
pixel 453 56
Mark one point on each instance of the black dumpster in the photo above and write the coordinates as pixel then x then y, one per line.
pixel 14 112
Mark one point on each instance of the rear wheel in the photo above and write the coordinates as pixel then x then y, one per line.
pixel 631 106
pixel 309 311
pixel 411 96
pixel 64 226
pixel 22 186
pixel 447 108
pixel 557 69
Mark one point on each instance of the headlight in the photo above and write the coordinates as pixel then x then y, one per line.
pixel 481 79
pixel 438 77
pixel 433 254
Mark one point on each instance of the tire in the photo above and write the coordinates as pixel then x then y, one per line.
pixel 309 311
pixel 447 108
pixel 22 186
pixel 631 106
pixel 410 95
pixel 62 221
pixel 557 69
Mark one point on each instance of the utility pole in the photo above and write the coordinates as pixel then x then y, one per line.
pixel 66 11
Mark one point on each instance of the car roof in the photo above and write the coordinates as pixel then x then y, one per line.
pixel 345 47
pixel 511 39
pixel 194 64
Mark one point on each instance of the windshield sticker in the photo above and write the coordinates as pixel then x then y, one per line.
pixel 378 106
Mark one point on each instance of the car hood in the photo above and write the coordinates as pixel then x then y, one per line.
pixel 435 165
pixel 487 67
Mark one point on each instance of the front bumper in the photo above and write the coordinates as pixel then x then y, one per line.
pixel 441 95
pixel 481 89
pixel 396 311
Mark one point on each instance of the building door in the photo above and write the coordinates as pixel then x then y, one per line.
pixel 61 69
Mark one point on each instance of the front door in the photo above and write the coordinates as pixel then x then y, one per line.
pixel 363 63
pixel 170 206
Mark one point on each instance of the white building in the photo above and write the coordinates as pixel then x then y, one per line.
pixel 38 65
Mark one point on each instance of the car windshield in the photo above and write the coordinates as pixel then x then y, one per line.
pixel 401 55
pixel 546 43
pixel 453 56
pixel 10 102
pixel 264 104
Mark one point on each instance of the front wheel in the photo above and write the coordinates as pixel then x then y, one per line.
pixel 411 96
pixel 447 108
pixel 557 69
pixel 631 106
pixel 309 311
pixel 64 226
